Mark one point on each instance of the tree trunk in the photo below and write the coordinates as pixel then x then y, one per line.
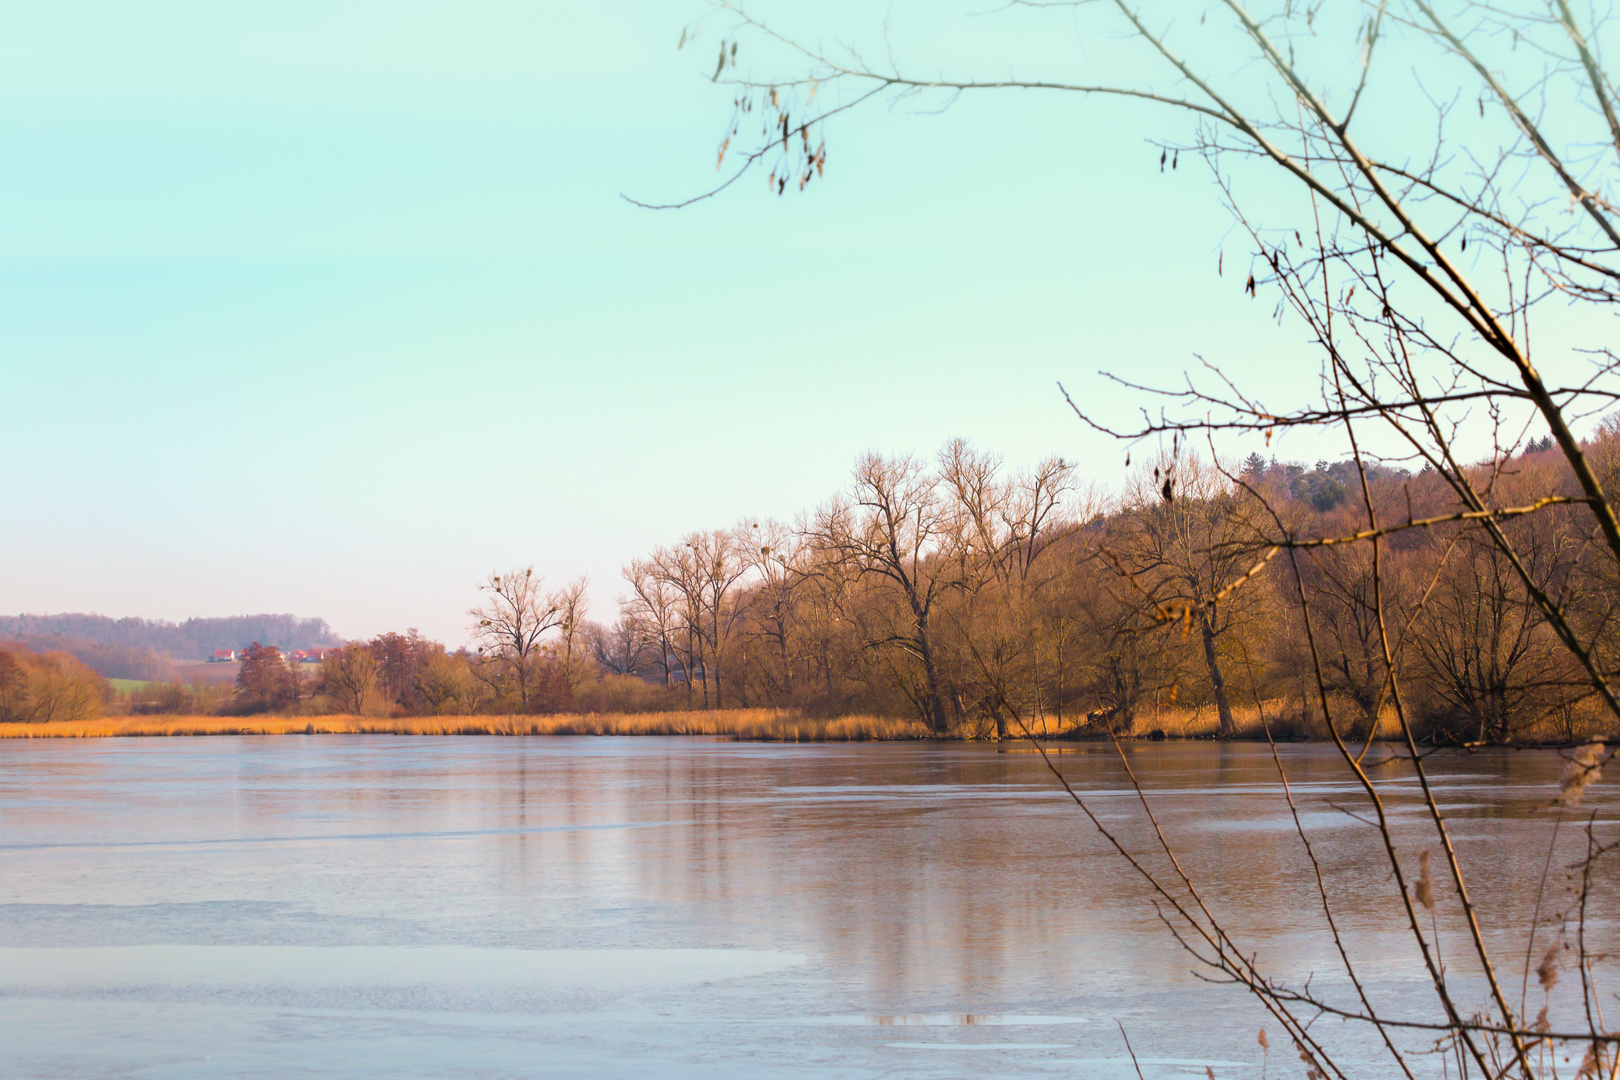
pixel 686 672
pixel 935 704
pixel 714 624
pixel 787 664
pixel 1228 729
pixel 1060 673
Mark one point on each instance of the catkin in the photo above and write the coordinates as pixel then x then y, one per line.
pixel 1583 769
pixel 1425 883
pixel 1547 970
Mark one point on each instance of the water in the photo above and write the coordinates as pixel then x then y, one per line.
pixel 468 907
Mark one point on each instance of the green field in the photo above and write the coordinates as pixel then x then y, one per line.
pixel 124 686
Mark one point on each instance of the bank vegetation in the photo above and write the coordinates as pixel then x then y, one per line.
pixel 954 592
pixel 751 725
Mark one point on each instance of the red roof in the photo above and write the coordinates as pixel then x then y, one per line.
pixel 224 654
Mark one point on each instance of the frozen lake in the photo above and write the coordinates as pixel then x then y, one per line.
pixel 478 907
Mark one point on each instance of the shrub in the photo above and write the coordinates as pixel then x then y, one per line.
pixel 625 694
pixel 38 688
pixel 264 682
pixel 173 698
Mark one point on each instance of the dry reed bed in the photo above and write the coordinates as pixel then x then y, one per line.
pixel 1286 722
pixel 750 725
pixel 1281 717
pixel 743 725
pixel 1202 722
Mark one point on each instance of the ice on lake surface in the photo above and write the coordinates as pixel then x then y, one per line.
pixel 375 906
pixel 309 966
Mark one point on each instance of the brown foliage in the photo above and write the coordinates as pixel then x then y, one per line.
pixel 264 682
pixel 967 592
pixel 350 675
pixel 38 688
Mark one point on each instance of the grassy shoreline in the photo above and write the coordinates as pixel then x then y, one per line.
pixel 752 725
pixel 742 725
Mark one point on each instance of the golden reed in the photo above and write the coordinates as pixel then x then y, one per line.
pixel 751 725
pixel 744 725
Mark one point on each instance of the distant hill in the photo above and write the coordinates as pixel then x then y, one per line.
pixel 193 639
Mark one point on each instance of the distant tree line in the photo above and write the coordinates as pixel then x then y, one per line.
pixel 194 639
pixel 963 593
pixel 530 670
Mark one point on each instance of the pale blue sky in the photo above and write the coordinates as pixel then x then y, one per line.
pixel 333 308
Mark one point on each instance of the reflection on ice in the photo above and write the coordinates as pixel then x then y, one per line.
pixel 978 1046
pixel 958 1020
pixel 108 967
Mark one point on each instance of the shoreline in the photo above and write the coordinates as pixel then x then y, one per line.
pixel 737 725
pixel 747 725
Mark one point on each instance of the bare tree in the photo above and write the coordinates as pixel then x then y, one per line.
pixel 1190 545
pixel 1124 665
pixel 510 627
pixel 652 609
pixel 776 559
pixel 720 560
pixel 55 686
pixel 999 526
pixel 1491 660
pixel 13 688
pixel 831 646
pixel 1344 599
pixel 680 571
pixel 350 676
pixel 571 605
pixel 619 649
pixel 1003 524
pixel 890 527
pixel 447 684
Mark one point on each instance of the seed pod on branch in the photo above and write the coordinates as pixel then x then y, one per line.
pixel 1583 769
pixel 1425 883
pixel 1547 970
